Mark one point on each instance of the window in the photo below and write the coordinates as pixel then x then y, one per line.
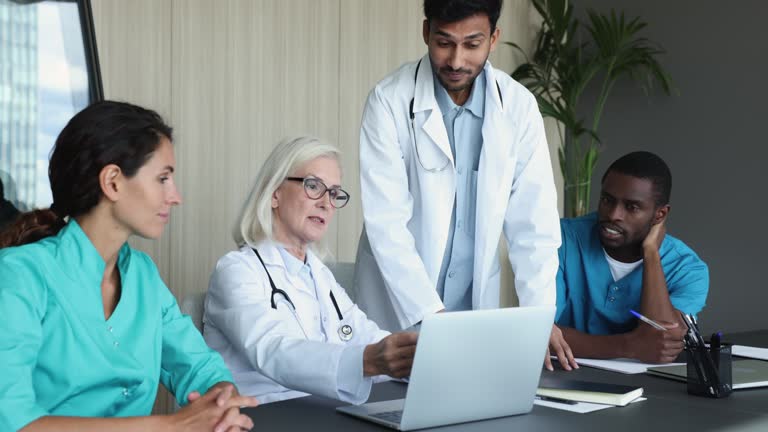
pixel 48 72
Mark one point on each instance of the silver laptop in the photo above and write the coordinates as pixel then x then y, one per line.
pixel 469 366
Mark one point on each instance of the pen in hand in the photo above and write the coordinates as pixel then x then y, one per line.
pixel 647 320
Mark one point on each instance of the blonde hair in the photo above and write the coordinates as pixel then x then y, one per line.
pixel 255 221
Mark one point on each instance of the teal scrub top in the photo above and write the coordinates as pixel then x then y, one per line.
pixel 589 300
pixel 59 356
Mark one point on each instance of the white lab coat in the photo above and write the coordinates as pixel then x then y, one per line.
pixel 266 349
pixel 407 210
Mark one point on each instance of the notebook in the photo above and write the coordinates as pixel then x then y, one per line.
pixel 471 365
pixel 586 391
pixel 745 373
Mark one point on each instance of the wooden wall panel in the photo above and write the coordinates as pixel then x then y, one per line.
pixel 376 37
pixel 245 75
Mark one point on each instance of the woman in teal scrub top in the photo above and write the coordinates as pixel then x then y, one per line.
pixel 88 327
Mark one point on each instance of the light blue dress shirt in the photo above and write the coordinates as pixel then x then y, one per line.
pixel 302 270
pixel 588 298
pixel 350 379
pixel 59 356
pixel 464 126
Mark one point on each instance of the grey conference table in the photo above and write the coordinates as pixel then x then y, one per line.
pixel 668 408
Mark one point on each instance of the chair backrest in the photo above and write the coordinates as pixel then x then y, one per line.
pixel 193 305
pixel 344 272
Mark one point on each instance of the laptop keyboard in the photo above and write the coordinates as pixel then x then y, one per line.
pixel 390 416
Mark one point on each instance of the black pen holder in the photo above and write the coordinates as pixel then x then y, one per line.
pixel 710 373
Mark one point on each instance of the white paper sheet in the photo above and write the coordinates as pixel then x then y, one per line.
pixel 751 352
pixel 579 407
pixel 627 366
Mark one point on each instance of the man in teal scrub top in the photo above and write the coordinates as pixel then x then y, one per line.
pixel 620 259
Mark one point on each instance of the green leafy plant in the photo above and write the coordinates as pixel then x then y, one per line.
pixel 567 58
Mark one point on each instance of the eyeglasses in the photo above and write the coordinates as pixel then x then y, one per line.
pixel 315 189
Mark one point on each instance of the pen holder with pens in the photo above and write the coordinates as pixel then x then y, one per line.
pixel 710 371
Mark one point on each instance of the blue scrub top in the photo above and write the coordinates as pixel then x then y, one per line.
pixel 589 300
pixel 59 356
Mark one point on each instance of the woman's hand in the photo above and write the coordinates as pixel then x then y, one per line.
pixel 217 410
pixel 391 356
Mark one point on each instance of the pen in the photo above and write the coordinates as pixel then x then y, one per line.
pixel 701 358
pixel 714 348
pixel 693 331
pixel 714 342
pixel 556 399
pixel 647 320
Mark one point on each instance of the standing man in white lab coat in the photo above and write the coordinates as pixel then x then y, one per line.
pixel 452 153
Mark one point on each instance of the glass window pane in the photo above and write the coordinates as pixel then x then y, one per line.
pixel 43 83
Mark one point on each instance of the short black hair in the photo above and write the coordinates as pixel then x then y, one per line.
pixel 456 10
pixel 649 166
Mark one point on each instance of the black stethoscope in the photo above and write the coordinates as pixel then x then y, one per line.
pixel 345 330
pixel 413 126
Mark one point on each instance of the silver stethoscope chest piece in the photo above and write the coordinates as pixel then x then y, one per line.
pixel 345 332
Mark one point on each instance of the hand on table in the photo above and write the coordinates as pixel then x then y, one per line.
pixel 217 410
pixel 560 348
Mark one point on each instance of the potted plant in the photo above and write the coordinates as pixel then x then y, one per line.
pixel 565 61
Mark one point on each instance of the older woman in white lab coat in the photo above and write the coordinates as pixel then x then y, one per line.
pixel 275 312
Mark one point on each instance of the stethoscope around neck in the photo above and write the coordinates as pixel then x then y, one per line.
pixel 344 331
pixel 413 125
